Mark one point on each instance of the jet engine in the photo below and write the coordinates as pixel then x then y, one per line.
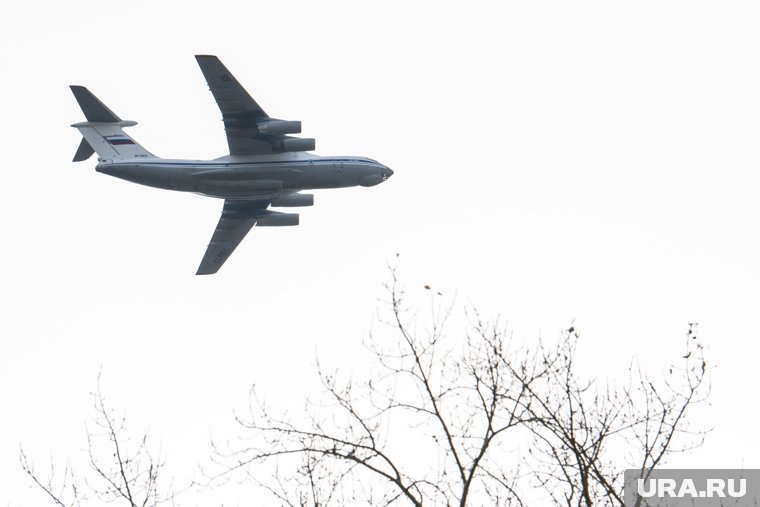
pixel 293 200
pixel 294 144
pixel 274 219
pixel 279 127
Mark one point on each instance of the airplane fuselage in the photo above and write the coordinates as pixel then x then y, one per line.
pixel 251 176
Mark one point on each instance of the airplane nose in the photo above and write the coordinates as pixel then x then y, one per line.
pixel 387 173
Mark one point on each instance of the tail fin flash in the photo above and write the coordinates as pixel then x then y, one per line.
pixel 103 131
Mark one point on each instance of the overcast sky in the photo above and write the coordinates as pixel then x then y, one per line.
pixel 587 162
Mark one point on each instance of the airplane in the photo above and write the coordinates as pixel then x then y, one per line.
pixel 265 167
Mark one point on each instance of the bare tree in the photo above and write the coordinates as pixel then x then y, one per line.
pixel 442 419
pixel 478 420
pixel 462 400
pixel 120 470
pixel 586 435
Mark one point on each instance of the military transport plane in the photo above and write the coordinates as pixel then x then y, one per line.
pixel 265 167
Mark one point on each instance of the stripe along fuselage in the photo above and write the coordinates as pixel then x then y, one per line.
pixel 249 176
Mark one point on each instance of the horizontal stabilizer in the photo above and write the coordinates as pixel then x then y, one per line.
pixel 93 109
pixel 84 151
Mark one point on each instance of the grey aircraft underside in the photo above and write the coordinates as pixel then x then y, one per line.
pixel 265 168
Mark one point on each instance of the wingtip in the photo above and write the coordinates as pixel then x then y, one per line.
pixel 206 270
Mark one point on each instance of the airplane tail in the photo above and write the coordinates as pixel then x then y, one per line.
pixel 102 132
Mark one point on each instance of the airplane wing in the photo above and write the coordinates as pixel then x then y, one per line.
pixel 250 131
pixel 238 217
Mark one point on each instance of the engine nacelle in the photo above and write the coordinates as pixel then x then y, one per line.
pixel 293 200
pixel 294 144
pixel 279 127
pixel 277 220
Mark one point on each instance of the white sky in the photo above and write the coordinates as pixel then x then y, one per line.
pixel 591 162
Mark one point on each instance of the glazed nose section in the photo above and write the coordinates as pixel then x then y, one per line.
pixel 376 178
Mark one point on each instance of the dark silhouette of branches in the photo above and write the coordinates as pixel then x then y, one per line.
pixel 65 494
pixel 461 407
pixel 458 400
pixel 586 435
pixel 120 471
pixel 441 419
